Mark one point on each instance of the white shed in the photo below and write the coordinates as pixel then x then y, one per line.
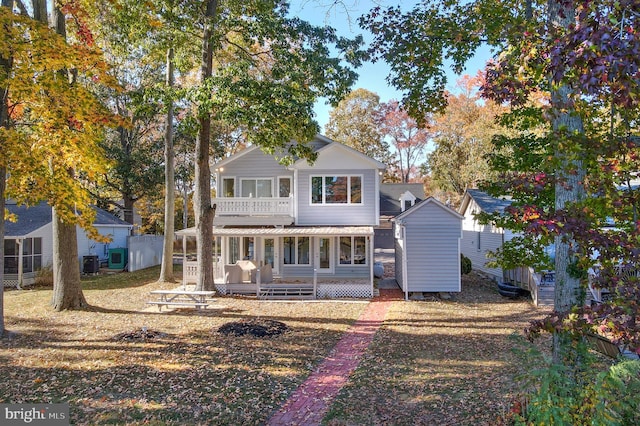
pixel 428 248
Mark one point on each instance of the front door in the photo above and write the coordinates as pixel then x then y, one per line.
pixel 270 253
pixel 324 259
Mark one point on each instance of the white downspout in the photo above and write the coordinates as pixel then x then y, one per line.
pixel 405 283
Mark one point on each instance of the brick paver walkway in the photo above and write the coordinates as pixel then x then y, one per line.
pixel 311 401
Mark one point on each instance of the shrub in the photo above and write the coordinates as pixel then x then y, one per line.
pixel 465 264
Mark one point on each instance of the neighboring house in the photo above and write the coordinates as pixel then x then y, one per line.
pixel 479 239
pixel 428 248
pixel 28 242
pixel 395 198
pixel 310 225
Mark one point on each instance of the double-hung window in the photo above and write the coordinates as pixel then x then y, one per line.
pixel 336 189
pixel 296 250
pixel 353 250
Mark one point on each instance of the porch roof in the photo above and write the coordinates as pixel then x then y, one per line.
pixel 284 232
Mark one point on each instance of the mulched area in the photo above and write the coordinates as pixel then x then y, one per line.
pixel 141 334
pixel 256 327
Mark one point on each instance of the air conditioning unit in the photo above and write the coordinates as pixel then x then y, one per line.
pixel 118 258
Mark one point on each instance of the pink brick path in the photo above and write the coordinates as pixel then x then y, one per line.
pixel 311 401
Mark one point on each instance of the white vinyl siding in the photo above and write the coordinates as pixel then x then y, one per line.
pixel 430 249
pixel 478 239
pixel 363 213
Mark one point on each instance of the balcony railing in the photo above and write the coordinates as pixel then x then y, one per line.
pixel 244 206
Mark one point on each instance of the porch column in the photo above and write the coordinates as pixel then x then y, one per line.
pixel 372 258
pixel 184 261
pixel 19 241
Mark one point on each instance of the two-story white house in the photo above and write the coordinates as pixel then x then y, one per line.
pixel 310 225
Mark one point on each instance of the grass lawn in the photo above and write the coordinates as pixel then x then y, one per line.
pixel 433 362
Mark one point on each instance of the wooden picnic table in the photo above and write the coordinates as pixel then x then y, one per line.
pixel 184 298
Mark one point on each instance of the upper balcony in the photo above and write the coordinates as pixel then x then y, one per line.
pixel 253 211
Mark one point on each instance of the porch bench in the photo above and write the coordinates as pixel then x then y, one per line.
pixel 185 304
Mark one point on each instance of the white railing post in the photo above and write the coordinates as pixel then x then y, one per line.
pixel 258 282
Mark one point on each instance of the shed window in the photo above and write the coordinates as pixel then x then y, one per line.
pixel 31 255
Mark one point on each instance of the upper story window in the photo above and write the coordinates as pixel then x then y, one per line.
pixel 284 186
pixel 336 189
pixel 260 188
pixel 228 187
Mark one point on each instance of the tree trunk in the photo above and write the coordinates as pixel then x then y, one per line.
pixel 5 65
pixel 67 288
pixel 166 269
pixel 569 187
pixel 3 181
pixel 204 212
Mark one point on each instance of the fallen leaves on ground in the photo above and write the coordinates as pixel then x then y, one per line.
pixel 438 362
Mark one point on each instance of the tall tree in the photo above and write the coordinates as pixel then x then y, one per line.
pixel 5 69
pixel 462 136
pixel 166 269
pixel 580 53
pixel 202 207
pixel 353 123
pixel 54 127
pixel 409 140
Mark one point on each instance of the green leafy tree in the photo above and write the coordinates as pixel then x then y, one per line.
pixel 353 122
pixel 583 57
pixel 275 68
pixel 462 136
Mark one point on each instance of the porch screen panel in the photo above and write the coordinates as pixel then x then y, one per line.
pixel 234 249
pixel 289 250
pixel 325 253
pixel 345 250
pixel 10 256
pixel 303 250
pixel 269 251
pixel 360 250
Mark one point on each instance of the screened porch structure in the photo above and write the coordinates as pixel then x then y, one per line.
pixel 328 261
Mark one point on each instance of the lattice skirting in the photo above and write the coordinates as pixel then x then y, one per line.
pixel 335 291
pixel 221 288
pixel 11 280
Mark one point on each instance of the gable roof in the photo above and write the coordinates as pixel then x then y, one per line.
pixel 390 194
pixel 421 204
pixel 29 219
pixel 32 218
pixel 486 202
pixel 319 144
pixel 332 146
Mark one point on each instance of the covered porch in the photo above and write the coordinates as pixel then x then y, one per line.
pixel 289 262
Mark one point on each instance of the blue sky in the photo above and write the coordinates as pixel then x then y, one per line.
pixel 344 18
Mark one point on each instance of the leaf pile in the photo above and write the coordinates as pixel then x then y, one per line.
pixel 255 327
